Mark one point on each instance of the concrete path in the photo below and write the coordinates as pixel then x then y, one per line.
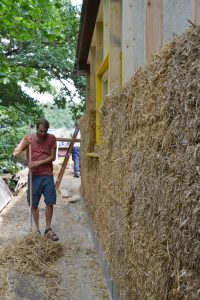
pixel 80 274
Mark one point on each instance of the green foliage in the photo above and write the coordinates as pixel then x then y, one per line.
pixel 57 117
pixel 38 43
pixel 8 166
pixel 13 125
pixel 77 110
pixel 17 104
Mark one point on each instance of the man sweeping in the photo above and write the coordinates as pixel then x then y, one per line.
pixel 43 153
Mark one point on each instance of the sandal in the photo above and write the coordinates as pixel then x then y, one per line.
pixel 38 232
pixel 51 235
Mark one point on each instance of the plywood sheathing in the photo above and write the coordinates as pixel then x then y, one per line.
pixel 143 192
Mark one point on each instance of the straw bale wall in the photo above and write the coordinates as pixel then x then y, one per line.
pixel 143 193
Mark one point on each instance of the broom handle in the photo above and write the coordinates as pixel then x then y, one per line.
pixel 30 175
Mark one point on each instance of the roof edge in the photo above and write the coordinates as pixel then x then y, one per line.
pixel 89 12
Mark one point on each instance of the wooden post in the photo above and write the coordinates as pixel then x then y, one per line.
pixel 196 11
pixel 99 44
pixel 99 94
pixel 57 146
pixel 92 78
pixel 132 37
pixel 88 104
pixel 105 27
pixel 153 27
pixel 128 39
pixel 115 45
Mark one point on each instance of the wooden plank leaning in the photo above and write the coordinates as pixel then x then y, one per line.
pixel 66 159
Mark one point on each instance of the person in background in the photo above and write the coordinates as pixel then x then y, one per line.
pixel 43 153
pixel 76 152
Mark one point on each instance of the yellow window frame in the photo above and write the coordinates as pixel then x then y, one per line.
pixel 103 67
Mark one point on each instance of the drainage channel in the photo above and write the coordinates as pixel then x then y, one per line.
pixel 103 263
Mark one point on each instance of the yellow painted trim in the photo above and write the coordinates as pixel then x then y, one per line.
pixel 121 66
pixel 92 154
pixel 98 102
pixel 103 67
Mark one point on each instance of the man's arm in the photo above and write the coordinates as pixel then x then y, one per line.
pixel 21 146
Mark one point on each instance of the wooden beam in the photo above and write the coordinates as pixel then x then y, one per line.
pixel 105 27
pixel 60 139
pixel 132 37
pixel 66 159
pixel 92 57
pixel 128 39
pixel 196 11
pixel 88 104
pixel 103 67
pixel 87 23
pixel 99 44
pixel 153 27
pixel 114 78
pixel 83 69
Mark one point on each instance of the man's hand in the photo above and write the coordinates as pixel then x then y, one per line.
pixel 35 164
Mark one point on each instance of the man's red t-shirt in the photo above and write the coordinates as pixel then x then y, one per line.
pixel 40 152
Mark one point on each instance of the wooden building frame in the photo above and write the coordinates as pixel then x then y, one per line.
pixel 102 24
pixel 99 92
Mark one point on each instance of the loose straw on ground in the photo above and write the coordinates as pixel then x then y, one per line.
pixel 31 255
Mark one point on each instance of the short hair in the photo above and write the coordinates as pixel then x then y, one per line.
pixel 42 122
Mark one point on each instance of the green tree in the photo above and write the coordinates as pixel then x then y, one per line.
pixel 38 43
pixel 13 125
pixel 57 117
pixel 22 106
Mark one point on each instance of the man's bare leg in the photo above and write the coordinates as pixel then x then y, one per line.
pixel 48 231
pixel 35 212
pixel 48 214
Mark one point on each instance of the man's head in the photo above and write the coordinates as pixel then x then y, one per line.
pixel 42 127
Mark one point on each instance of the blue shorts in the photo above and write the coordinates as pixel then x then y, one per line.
pixel 42 185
